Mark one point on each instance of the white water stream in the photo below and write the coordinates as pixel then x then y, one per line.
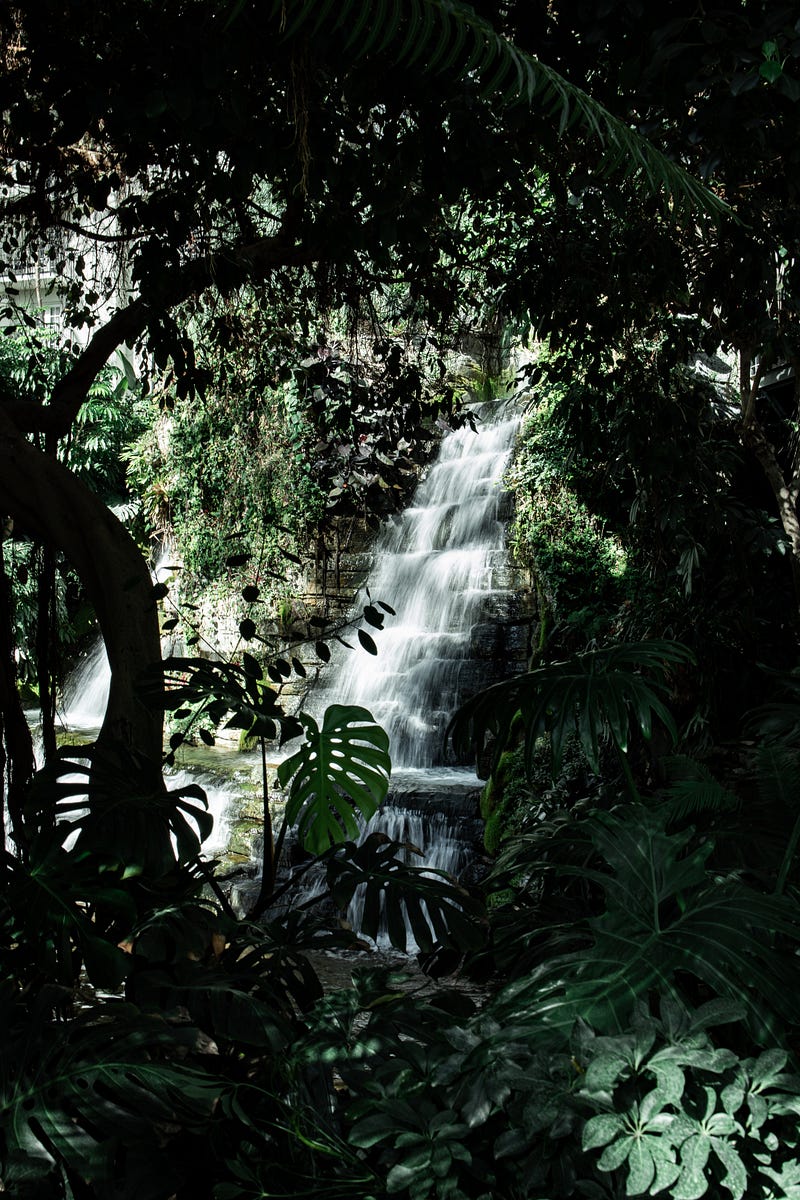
pixel 83 708
pixel 434 565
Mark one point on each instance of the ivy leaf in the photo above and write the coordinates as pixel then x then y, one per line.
pixel 735 1178
pixel 767 1068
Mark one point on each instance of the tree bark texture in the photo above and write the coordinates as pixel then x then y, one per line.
pixel 16 744
pixel 784 491
pixel 47 502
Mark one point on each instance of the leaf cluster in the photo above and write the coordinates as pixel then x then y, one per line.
pixel 596 693
pixel 447 1102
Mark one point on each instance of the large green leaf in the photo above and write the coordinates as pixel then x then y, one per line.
pixel 241 983
pixel 449 37
pixel 428 902
pixel 666 916
pixel 342 769
pixel 112 798
pixel 56 913
pixel 94 1098
pixel 601 692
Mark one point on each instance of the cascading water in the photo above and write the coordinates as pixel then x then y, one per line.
pixel 86 691
pixel 435 563
pixel 435 566
pixel 84 705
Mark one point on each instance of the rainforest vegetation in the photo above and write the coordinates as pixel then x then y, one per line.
pixel 255 258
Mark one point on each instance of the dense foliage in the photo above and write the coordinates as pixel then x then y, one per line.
pixel 283 219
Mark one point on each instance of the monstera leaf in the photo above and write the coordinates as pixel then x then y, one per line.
pixel 341 769
pixel 667 917
pixel 110 797
pixel 426 903
pixel 88 1100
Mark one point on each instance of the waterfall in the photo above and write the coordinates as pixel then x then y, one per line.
pixel 435 567
pixel 83 709
pixel 86 691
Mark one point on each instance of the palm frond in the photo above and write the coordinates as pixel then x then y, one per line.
pixel 693 789
pixel 447 37
pixel 601 692
pixel 778 779
pixel 778 722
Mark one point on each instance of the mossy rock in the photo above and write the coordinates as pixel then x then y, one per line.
pixel 507 793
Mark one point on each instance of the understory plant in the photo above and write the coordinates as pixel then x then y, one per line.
pixel 148 1028
pixel 446 1103
pixel 157 1045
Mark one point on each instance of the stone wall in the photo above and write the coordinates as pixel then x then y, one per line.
pixel 327 584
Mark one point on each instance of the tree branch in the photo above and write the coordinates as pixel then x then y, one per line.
pixel 224 270
pixel 749 388
pixel 93 235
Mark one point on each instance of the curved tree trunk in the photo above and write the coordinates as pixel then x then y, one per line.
pixel 50 504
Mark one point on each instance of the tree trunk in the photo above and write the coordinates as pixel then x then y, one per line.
pixel 16 745
pixel 47 502
pixel 784 492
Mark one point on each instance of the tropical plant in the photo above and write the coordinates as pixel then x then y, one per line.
pixel 342 769
pixel 601 692
pixel 653 914
pixel 445 1101
pixel 452 39
pixel 333 783
pixel 194 1061
pixel 93 1106
pixel 395 98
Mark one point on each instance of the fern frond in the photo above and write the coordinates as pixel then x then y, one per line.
pixel 592 694
pixel 778 776
pixel 445 36
pixel 693 789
